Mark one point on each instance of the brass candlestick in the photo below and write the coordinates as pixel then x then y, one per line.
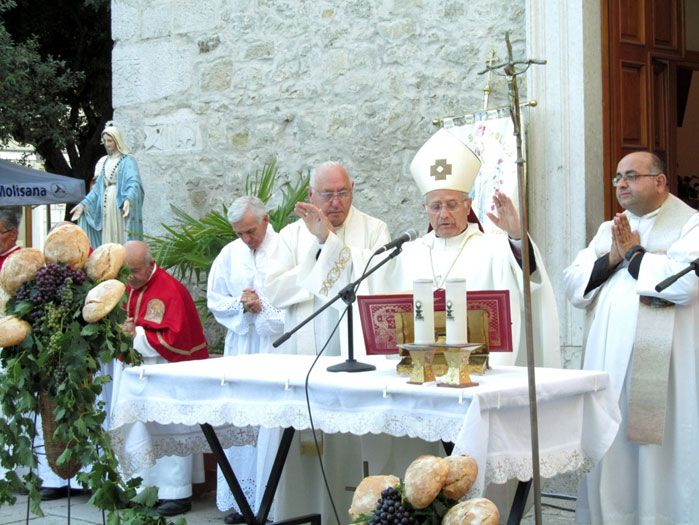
pixel 422 356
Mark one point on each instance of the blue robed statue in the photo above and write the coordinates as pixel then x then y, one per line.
pixel 112 210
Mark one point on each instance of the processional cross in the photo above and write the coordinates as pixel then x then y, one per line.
pixel 510 70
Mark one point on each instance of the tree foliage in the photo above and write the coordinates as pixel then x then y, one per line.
pixel 55 80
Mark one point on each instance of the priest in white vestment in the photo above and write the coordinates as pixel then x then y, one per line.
pixel 648 341
pixel 292 273
pixel 444 170
pixel 236 297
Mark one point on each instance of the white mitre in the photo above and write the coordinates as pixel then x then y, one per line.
pixel 444 163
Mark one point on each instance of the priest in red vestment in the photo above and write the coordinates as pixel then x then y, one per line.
pixel 165 326
pixel 10 217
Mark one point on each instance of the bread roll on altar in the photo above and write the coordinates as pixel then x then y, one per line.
pixel 102 299
pixel 423 480
pixel 367 494
pixel 461 477
pixel 477 511
pixel 68 244
pixel 105 262
pixel 13 330
pixel 19 267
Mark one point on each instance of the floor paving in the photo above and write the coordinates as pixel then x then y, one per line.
pixel 204 512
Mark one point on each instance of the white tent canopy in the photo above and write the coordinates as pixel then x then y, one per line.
pixel 22 186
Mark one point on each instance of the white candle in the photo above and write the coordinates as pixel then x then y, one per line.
pixel 423 311
pixel 457 321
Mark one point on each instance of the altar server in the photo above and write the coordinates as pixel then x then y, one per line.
pixel 237 299
pixel 166 328
pixel 648 341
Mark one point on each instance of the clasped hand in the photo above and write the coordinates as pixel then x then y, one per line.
pixel 623 239
pixel 251 301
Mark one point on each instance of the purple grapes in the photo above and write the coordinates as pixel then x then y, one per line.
pixel 390 510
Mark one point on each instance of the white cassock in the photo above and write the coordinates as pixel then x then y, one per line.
pixel 238 267
pixel 638 483
pixel 486 262
pixel 296 268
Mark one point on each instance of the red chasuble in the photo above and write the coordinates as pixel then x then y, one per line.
pixel 3 258
pixel 166 311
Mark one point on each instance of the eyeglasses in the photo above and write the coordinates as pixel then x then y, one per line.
pixel 451 206
pixel 630 176
pixel 327 196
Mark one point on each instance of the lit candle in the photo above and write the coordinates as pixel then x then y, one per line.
pixel 423 311
pixel 457 324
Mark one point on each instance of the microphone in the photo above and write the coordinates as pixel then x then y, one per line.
pixel 409 235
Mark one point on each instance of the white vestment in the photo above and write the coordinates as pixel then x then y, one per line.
pixel 637 483
pixel 238 267
pixel 297 268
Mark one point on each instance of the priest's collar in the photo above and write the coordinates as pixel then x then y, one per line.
pixel 155 267
pixel 15 247
pixel 457 240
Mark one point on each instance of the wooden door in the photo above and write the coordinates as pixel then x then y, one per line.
pixel 643 43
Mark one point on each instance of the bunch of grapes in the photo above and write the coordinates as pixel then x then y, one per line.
pixel 52 281
pixel 390 510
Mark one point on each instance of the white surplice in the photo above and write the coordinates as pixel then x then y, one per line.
pixel 638 483
pixel 297 269
pixel 238 267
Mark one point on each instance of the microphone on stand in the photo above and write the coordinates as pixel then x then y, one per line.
pixel 409 235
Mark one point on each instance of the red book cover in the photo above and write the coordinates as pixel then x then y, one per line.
pixel 377 314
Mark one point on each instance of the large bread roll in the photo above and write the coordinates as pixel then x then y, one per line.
pixel 19 267
pixel 13 330
pixel 461 477
pixel 102 299
pixel 367 494
pixel 424 478
pixel 67 244
pixel 105 262
pixel 478 511
pixel 4 297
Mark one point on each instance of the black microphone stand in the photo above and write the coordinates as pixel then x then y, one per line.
pixel 348 295
pixel 694 265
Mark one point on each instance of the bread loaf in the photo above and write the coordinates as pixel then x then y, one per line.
pixel 461 477
pixel 19 267
pixel 4 297
pixel 105 262
pixel 13 330
pixel 102 299
pixel 368 492
pixel 478 511
pixel 424 478
pixel 67 244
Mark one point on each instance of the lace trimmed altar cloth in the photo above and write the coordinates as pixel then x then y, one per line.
pixel 159 407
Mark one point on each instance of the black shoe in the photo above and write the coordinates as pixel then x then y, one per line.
pixel 173 507
pixel 52 493
pixel 234 517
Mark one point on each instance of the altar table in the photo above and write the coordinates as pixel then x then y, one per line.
pixel 158 409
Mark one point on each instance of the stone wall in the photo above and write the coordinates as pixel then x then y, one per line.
pixel 207 91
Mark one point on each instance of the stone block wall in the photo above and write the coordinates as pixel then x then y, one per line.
pixel 207 91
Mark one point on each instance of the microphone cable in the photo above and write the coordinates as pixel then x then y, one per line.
pixel 310 415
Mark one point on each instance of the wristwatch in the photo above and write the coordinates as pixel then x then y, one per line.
pixel 633 250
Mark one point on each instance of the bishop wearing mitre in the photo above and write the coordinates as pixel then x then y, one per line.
pixel 444 170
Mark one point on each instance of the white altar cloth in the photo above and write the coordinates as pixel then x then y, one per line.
pixel 158 409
